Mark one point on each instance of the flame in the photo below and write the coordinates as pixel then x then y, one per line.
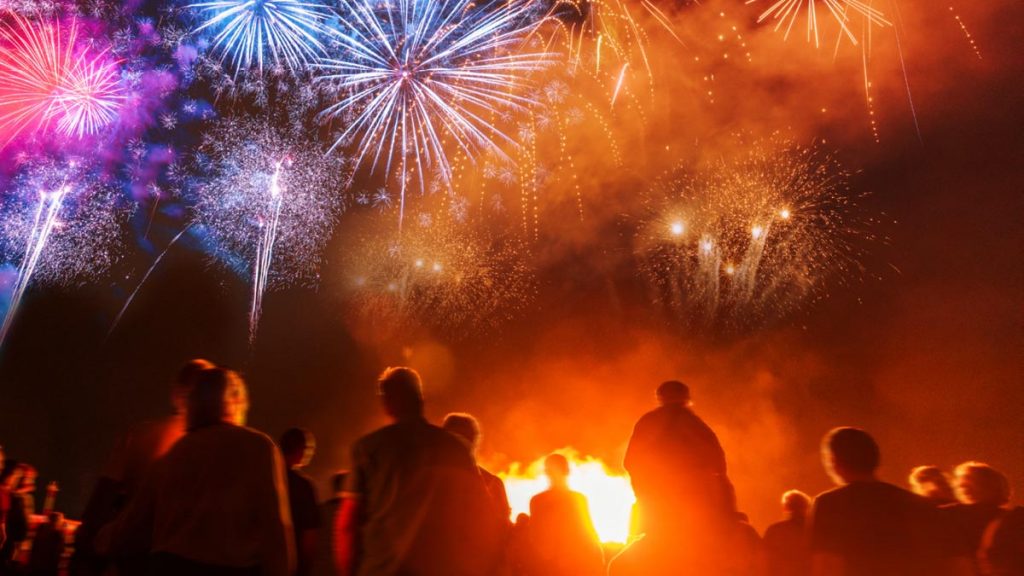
pixel 609 495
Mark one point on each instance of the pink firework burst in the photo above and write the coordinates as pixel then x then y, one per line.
pixel 46 79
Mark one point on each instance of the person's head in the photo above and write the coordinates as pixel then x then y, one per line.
pixel 338 481
pixel 932 483
pixel 24 479
pixel 185 380
pixel 556 468
pixel 401 393
pixel 218 396
pixel 465 427
pixel 673 392
pixel 850 454
pixel 979 483
pixel 56 519
pixel 795 504
pixel 297 447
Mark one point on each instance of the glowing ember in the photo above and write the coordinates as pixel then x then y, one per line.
pixel 609 494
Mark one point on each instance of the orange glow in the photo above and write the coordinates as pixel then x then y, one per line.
pixel 609 495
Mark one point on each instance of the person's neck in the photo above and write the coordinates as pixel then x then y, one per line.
pixel 859 477
pixel 408 418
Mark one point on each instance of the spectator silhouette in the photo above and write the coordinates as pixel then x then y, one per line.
pixel 414 503
pixel 297 448
pixel 561 530
pixel 786 551
pixel 466 428
pixel 20 486
pixel 933 484
pixel 324 564
pixel 127 466
pixel 867 527
pixel 1002 546
pixel 676 465
pixel 47 546
pixel 216 503
pixel 983 492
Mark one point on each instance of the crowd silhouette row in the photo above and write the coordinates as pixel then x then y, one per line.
pixel 198 493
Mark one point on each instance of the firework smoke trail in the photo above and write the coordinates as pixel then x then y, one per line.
pixel 785 12
pixel 413 74
pixel 265 247
pixel 45 77
pixel 749 239
pixel 47 211
pixel 289 30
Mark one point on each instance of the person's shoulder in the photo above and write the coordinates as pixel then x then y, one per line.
pixel 490 477
pixel 540 498
pixel 831 495
pixel 240 436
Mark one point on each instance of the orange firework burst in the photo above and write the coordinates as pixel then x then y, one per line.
pixel 751 238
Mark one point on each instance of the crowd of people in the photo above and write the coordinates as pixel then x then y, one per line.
pixel 200 493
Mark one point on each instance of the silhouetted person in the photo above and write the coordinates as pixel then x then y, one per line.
pixel 127 466
pixel 466 427
pixel 415 503
pixel 216 503
pixel 561 530
pixel 20 487
pixel 983 492
pixel 867 527
pixel 297 447
pixel 686 506
pixel 932 483
pixel 676 464
pixel 324 565
pixel 1002 546
pixel 519 550
pixel 785 545
pixel 47 546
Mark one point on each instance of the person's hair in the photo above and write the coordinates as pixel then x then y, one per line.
pixel 187 374
pixel 673 392
pixel 557 464
pixel 988 485
pixel 402 391
pixel 796 502
pixel 218 396
pixel 295 441
pixel 853 449
pixel 338 480
pixel 930 481
pixel 464 426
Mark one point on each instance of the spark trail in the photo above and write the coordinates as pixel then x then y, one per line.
pixel 45 220
pixel 265 246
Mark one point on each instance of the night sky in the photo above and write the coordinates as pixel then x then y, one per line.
pixel 925 348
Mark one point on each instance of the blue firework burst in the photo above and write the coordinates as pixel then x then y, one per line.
pixel 415 76
pixel 257 32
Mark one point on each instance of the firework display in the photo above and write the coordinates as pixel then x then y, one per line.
pixel 786 13
pixel 268 202
pixel 46 78
pixel 244 128
pixel 418 77
pixel 251 32
pixel 59 226
pixel 748 239
pixel 437 273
